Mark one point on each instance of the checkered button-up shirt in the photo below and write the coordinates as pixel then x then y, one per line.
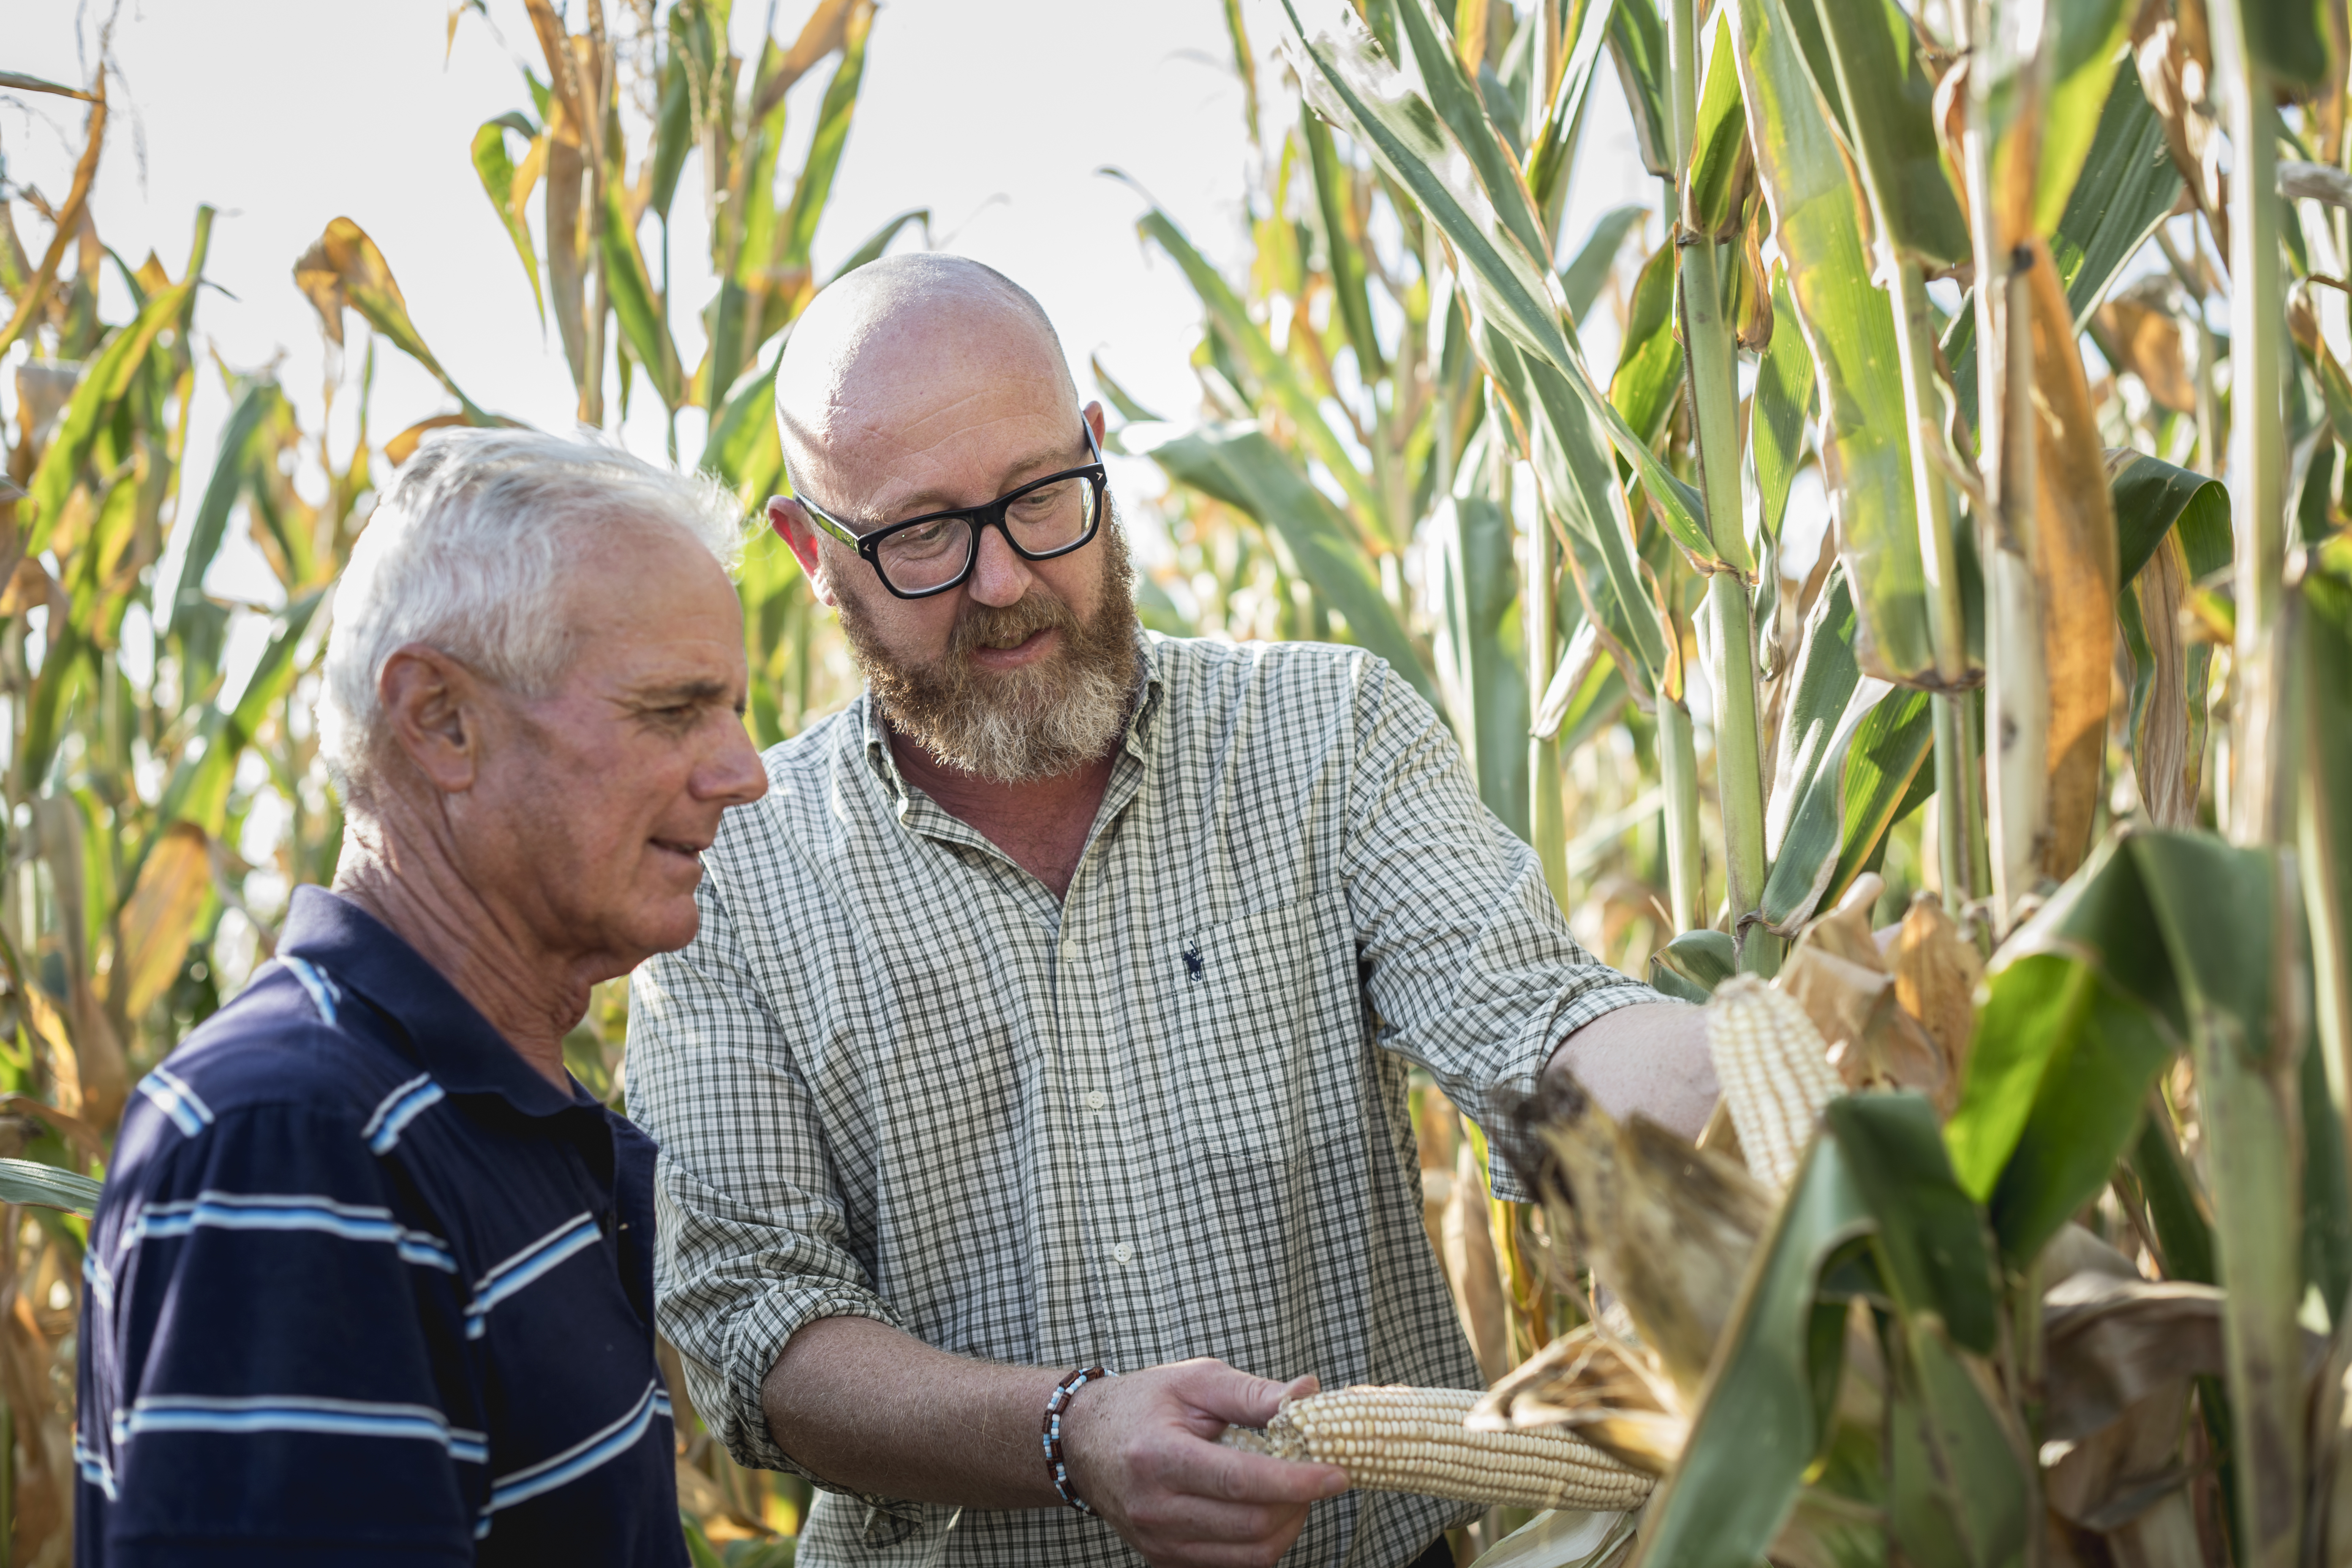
pixel 1164 1117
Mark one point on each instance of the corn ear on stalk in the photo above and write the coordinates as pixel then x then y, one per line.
pixel 1414 1440
pixel 1775 1073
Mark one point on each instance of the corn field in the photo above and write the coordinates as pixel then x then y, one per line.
pixel 1932 632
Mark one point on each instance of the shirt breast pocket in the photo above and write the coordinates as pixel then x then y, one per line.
pixel 1266 1010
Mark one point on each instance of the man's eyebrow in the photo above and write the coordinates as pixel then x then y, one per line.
pixel 934 499
pixel 700 690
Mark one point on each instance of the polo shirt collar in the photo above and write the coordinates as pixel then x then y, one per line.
pixel 447 1035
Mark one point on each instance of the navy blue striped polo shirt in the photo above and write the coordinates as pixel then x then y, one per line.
pixel 366 1288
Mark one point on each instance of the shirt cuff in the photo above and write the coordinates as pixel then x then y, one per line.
pixel 1503 1140
pixel 757 1339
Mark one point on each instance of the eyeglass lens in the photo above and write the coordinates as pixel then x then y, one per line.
pixel 1050 518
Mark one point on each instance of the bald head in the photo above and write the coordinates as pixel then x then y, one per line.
pixel 902 356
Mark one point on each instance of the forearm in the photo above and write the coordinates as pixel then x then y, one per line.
pixel 877 1411
pixel 1651 1059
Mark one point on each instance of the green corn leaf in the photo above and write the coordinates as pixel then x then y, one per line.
pixel 1650 361
pixel 1931 1238
pixel 2223 923
pixel 2127 185
pixel 2178 520
pixel 1333 183
pixel 2326 1191
pixel 104 381
pixel 1354 88
pixel 673 130
pixel 2289 38
pixel 1275 372
pixel 1691 966
pixel 198 790
pixel 1637 41
pixel 1825 682
pixel 1866 766
pixel 232 464
pixel 497 171
pixel 2084 1010
pixel 1117 394
pixel 1582 279
pixel 26 1181
pixel 2082 41
pixel 2322 702
pixel 1849 326
pixel 2176 1205
pixel 874 244
pixel 1572 461
pixel 1885 778
pixel 634 302
pixel 1474 551
pixel 1458 101
pixel 743 448
pixel 1890 114
pixel 1554 151
pixel 1957 1482
pixel 1719 157
pixel 814 186
pixel 2151 499
pixel 756 156
pixel 1784 400
pixel 1758 1426
pixel 2104 1050
pixel 1237 465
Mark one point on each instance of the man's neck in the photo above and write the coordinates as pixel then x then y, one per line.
pixel 1040 823
pixel 530 996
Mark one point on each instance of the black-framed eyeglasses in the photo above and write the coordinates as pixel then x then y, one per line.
pixel 934 552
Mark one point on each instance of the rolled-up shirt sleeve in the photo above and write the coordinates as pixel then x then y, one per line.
pixel 750 1240
pixel 1469 961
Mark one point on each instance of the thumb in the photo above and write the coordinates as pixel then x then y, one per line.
pixel 1242 1400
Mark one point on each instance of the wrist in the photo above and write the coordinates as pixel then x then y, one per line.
pixel 1056 1433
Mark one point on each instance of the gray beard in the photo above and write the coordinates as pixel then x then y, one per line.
pixel 1036 722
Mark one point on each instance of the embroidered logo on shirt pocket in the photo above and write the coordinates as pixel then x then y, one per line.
pixel 1266 1009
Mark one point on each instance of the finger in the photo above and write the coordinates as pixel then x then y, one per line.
pixel 1236 1396
pixel 1233 1474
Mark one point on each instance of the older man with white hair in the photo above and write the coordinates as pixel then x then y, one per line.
pixel 372 1282
pixel 1054 1013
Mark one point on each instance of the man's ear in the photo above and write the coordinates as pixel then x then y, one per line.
pixel 431 710
pixel 1093 415
pixel 792 524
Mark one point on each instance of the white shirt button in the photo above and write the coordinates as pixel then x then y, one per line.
pixel 1097 1100
pixel 1123 1252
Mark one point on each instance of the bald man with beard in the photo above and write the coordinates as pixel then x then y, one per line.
pixel 1047 1036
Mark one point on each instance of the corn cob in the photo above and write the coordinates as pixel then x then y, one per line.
pixel 1774 1071
pixel 1413 1440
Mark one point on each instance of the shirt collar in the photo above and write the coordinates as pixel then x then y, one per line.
pixel 447 1035
pixel 867 721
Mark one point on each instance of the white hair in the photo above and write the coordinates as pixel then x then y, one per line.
pixel 469 553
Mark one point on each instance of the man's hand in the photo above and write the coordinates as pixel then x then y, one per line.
pixel 1142 1451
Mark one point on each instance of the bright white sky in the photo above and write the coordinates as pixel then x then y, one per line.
pixel 285 113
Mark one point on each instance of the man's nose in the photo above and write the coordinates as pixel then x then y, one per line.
pixel 999 576
pixel 735 775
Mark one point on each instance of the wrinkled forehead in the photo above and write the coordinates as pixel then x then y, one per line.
pixel 884 374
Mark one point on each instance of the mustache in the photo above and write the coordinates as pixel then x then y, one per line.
pixel 1003 626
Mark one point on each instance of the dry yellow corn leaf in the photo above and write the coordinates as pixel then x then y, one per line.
pixel 160 917
pixel 1667 1227
pixel 2075 560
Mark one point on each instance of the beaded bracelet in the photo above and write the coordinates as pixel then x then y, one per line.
pixel 1056 1466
